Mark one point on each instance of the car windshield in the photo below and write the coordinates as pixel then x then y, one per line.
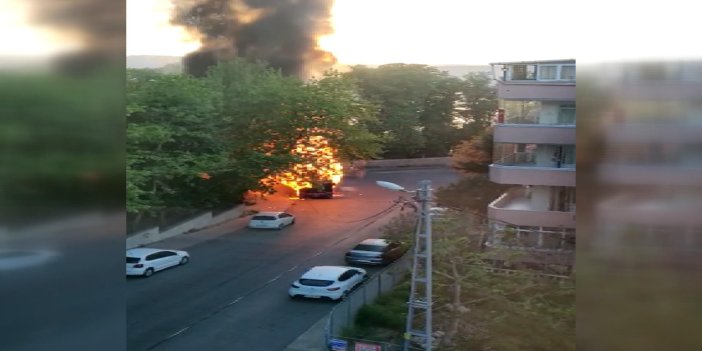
pixel 264 218
pixel 132 259
pixel 316 282
pixel 373 248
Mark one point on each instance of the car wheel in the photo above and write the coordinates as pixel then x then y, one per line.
pixel 293 222
pixel 184 260
pixel 149 272
pixel 280 226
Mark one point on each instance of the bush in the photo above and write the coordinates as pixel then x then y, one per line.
pixel 377 316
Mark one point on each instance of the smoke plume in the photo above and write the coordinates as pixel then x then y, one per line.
pixel 282 33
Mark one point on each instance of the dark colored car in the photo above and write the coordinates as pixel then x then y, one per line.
pixel 375 252
pixel 323 191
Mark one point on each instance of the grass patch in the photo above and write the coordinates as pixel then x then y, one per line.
pixel 384 320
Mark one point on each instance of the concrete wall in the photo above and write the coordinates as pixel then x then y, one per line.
pixel 409 162
pixel 536 91
pixel 532 175
pixel 204 220
pixel 535 134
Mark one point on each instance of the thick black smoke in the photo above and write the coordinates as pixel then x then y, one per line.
pixel 282 33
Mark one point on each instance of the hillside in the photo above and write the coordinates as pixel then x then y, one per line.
pixel 151 61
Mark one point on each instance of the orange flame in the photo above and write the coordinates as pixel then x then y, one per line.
pixel 320 165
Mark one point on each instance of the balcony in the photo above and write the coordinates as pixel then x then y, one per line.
pixel 521 168
pixel 516 208
pixel 536 90
pixel 535 133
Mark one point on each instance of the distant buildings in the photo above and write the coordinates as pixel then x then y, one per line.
pixel 534 150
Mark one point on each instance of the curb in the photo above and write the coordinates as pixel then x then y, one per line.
pixel 310 340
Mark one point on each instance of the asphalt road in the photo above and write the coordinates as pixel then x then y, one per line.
pixel 233 293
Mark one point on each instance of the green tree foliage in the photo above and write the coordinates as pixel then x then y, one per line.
pixel 473 192
pixel 479 309
pixel 201 143
pixel 474 155
pixel 60 144
pixel 416 107
pixel 173 136
pixel 478 104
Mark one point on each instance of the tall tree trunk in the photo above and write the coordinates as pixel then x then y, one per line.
pixel 457 308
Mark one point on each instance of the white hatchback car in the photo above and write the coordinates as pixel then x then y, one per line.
pixel 145 261
pixel 330 282
pixel 271 220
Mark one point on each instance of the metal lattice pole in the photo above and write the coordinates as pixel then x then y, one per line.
pixel 419 325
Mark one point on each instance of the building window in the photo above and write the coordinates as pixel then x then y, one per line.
pixel 523 72
pixel 566 114
pixel 522 112
pixel 549 72
pixel 568 72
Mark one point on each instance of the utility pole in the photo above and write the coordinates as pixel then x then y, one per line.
pixel 419 323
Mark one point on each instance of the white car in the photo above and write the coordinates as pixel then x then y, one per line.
pixel 145 262
pixel 329 282
pixel 271 220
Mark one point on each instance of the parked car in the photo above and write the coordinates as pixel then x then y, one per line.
pixel 375 252
pixel 327 282
pixel 271 220
pixel 146 262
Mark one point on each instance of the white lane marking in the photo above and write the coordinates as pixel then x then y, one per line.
pixel 177 333
pixel 293 268
pixel 274 279
pixel 235 301
pixel 317 254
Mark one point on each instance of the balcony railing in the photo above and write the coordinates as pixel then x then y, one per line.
pixel 523 159
pixel 531 174
pixel 563 120
pixel 516 207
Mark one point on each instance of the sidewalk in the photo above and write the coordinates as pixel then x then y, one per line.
pixel 273 202
pixel 312 339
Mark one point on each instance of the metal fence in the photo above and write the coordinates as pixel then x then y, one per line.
pixel 344 313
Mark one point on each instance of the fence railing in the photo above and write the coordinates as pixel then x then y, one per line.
pixel 344 313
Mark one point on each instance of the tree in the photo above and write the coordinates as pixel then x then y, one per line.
pixel 474 155
pixel 269 114
pixel 479 102
pixel 416 104
pixel 201 143
pixel 173 136
pixel 473 192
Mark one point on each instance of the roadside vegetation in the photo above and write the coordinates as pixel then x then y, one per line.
pixel 475 308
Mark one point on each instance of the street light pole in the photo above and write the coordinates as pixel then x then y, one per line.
pixel 420 299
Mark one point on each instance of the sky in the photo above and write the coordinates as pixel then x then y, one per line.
pixel 22 38
pixel 433 31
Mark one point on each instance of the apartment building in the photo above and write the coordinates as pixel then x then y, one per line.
pixel 652 159
pixel 534 150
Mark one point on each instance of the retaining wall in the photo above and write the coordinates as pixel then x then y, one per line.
pixel 201 221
